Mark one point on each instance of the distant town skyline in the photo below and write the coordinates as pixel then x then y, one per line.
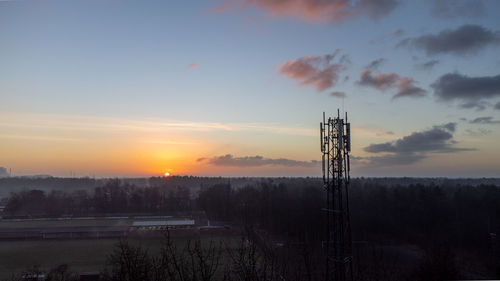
pixel 123 88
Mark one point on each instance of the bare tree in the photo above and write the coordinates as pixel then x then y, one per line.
pixel 193 262
pixel 249 264
pixel 128 263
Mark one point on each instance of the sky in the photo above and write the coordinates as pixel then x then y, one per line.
pixel 126 88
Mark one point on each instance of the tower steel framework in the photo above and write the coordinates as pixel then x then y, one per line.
pixel 335 146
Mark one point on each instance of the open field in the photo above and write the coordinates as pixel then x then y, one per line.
pixel 81 255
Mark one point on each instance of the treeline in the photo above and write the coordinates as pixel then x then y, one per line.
pixel 292 209
pixel 113 197
pixel 48 183
pixel 436 232
pixel 461 216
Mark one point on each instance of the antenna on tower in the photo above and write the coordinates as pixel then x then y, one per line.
pixel 335 146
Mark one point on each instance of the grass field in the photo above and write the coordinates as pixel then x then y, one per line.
pixel 80 255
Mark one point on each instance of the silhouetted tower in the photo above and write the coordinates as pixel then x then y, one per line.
pixel 335 146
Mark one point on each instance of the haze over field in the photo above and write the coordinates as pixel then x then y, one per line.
pixel 238 87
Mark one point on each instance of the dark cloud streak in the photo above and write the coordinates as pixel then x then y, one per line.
pixel 484 120
pixel 471 91
pixel 255 161
pixel 497 106
pixel 374 65
pixel 466 39
pixel 415 147
pixel 428 65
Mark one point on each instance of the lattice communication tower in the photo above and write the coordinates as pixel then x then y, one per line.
pixel 335 146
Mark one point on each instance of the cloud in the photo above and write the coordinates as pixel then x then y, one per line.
pixel 435 139
pixel 428 65
pixel 3 172
pixel 478 105
pixel 450 9
pixel 406 88
pixel 497 106
pixel 466 39
pixel 380 82
pixel 415 147
pixel 386 81
pixel 484 120
pixel 193 65
pixel 393 159
pixel 338 94
pixel 374 65
pixel 255 161
pixel 318 71
pixel 323 11
pixel 472 91
pixel 478 132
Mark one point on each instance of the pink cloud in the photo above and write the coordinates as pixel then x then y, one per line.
pixel 338 94
pixel 406 88
pixel 316 10
pixel 381 81
pixel 386 81
pixel 317 71
pixel 193 65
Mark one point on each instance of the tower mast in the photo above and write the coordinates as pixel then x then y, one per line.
pixel 335 146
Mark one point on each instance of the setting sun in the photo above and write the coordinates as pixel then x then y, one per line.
pixel 167 174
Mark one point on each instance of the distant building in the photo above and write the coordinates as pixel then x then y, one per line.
pixel 159 225
pixel 4 173
pixel 33 277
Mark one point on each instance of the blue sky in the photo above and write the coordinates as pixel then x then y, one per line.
pixel 68 64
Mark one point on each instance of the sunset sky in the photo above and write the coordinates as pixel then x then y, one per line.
pixel 237 88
